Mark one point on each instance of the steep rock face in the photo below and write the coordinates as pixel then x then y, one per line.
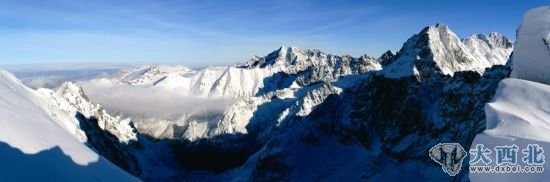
pixel 112 137
pixel 107 145
pixel 387 58
pixel 71 98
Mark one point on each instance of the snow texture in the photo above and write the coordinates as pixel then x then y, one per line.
pixel 531 56
pixel 520 115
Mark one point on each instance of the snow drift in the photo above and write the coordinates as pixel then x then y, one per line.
pixel 531 56
pixel 520 115
pixel 521 110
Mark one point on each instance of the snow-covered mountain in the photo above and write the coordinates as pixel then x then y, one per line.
pixel 432 91
pixel 208 82
pixel 244 80
pixel 35 146
pixel 440 46
pixel 298 82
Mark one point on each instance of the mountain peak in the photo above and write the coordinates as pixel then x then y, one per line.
pixel 437 29
pixel 441 26
pixel 386 58
pixel 283 56
pixel 438 49
pixel 497 39
pixel 69 87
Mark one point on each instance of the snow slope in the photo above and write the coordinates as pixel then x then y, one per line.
pixel 35 147
pixel 532 49
pixel 519 114
pixel 520 109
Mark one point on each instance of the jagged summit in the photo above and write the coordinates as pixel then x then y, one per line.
pixel 282 56
pixel 386 58
pixel 71 99
pixel 71 88
pixel 493 40
pixel 499 40
pixel 294 59
pixel 437 49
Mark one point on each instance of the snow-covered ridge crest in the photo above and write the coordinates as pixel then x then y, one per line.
pixel 146 73
pixel 71 99
pixel 293 60
pixel 494 49
pixel 438 49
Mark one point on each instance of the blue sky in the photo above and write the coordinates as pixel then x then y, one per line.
pixel 198 33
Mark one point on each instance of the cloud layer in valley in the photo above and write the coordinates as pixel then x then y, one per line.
pixel 150 101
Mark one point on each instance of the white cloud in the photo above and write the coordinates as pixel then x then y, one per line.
pixel 149 101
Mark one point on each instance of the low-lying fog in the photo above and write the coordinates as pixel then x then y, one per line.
pixel 149 101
